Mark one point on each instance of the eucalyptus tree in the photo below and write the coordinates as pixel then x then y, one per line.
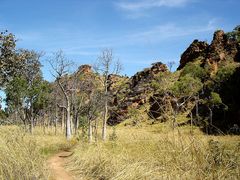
pixel 26 93
pixel 11 61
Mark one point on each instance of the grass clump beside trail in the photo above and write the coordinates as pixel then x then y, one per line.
pixel 146 153
pixel 23 156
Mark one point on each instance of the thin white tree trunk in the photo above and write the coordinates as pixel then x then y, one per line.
pixel 56 119
pixel 63 119
pixel 90 131
pixel 68 122
pixel 104 129
pixel 31 119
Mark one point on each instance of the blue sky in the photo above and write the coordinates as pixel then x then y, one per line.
pixel 140 32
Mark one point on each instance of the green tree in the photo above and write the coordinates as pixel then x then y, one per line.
pixel 26 93
pixel 235 34
pixel 11 61
pixel 214 100
pixel 185 89
pixel 194 70
pixel 186 86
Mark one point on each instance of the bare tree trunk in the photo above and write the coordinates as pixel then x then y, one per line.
pixel 197 113
pixel 48 121
pixel 16 116
pixel 104 129
pixel 76 123
pixel 63 119
pixel 56 119
pixel 90 131
pixel 72 124
pixel 96 130
pixel 25 120
pixel 31 119
pixel 68 122
pixel 83 132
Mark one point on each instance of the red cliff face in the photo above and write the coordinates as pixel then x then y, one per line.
pixel 222 48
pixel 134 93
pixel 195 50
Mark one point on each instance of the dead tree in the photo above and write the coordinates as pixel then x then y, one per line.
pixel 106 66
pixel 60 66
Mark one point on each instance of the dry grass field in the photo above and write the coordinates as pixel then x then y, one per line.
pixel 144 152
pixel 158 152
pixel 23 156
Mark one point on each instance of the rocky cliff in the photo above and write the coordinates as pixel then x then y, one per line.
pixel 222 49
pixel 221 59
pixel 214 66
pixel 133 93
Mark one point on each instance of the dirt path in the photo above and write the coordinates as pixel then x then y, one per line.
pixel 56 165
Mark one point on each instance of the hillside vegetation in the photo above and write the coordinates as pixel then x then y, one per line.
pixel 156 124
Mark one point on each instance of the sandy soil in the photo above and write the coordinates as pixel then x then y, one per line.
pixel 56 164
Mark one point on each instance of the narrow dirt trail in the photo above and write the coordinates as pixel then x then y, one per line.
pixel 56 165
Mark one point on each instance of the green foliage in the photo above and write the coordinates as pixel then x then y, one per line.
pixel 186 86
pixel 2 114
pixel 15 92
pixel 28 93
pixel 235 34
pixel 134 115
pixel 164 81
pixel 42 92
pixel 194 70
pixel 11 61
pixel 215 99
pixel 225 72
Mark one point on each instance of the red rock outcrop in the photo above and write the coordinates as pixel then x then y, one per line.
pixel 134 93
pixel 222 48
pixel 195 50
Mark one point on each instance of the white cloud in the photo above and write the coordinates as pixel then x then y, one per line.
pixel 148 4
pixel 89 45
pixel 170 30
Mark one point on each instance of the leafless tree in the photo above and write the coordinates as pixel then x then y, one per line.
pixel 106 65
pixel 170 64
pixel 61 67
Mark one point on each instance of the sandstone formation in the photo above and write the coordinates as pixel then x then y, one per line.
pixel 195 50
pixel 135 92
pixel 222 48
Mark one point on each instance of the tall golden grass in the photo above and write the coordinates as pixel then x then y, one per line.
pixel 156 152
pixel 23 156
pixel 144 152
